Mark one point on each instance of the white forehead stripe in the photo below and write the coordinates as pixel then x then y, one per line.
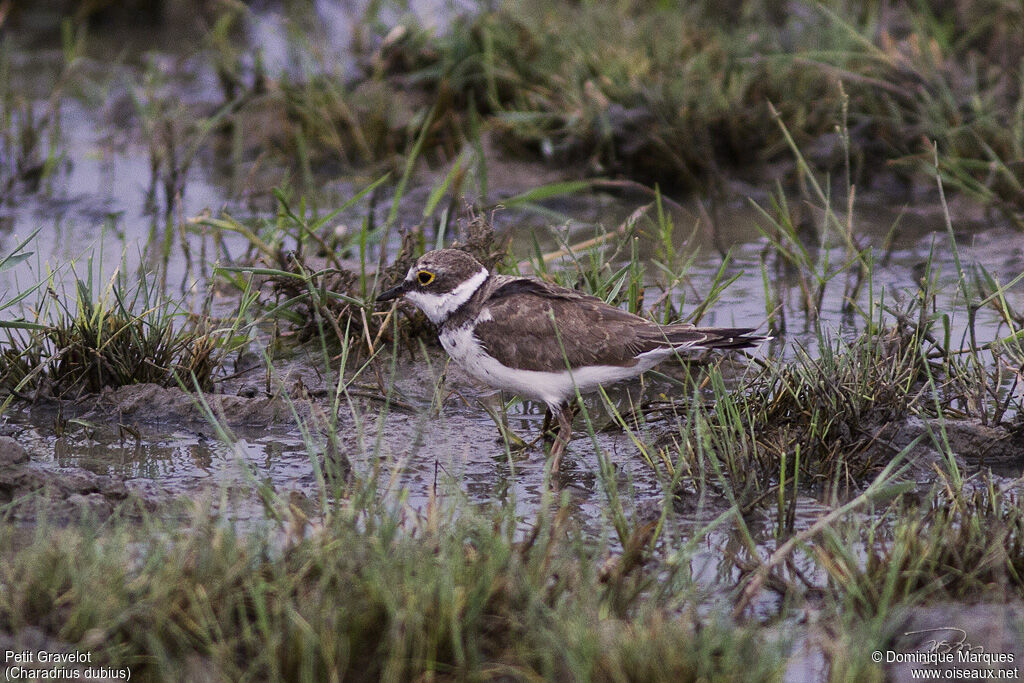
pixel 438 307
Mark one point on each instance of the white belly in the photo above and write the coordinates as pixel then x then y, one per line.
pixel 554 388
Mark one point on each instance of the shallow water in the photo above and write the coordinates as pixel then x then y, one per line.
pixel 99 198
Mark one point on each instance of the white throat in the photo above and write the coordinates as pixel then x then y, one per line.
pixel 438 307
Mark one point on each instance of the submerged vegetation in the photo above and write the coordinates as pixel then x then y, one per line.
pixel 783 514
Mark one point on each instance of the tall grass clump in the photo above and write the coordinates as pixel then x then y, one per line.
pixel 685 96
pixel 367 594
pixel 809 423
pixel 107 335
pixel 306 264
pixel 320 271
pixel 681 95
pixel 823 419
pixel 958 543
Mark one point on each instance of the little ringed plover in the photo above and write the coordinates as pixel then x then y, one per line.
pixel 542 341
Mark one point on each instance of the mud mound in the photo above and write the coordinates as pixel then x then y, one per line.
pixel 68 492
pixel 153 403
pixel 972 443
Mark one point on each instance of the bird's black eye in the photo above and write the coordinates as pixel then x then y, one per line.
pixel 425 277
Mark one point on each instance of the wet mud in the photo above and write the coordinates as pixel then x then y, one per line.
pixel 433 439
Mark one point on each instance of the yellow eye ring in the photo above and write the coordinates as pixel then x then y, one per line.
pixel 425 277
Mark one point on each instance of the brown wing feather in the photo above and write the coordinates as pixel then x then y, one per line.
pixel 523 335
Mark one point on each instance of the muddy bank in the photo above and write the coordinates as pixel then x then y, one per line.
pixel 28 488
pixel 436 430
pixel 975 446
pixel 151 403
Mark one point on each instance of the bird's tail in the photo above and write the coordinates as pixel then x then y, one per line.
pixel 713 337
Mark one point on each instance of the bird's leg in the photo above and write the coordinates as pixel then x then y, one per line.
pixel 544 429
pixel 564 414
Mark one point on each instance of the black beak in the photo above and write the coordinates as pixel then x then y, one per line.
pixel 394 292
